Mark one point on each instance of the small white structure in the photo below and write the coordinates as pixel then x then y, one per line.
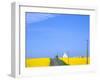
pixel 65 55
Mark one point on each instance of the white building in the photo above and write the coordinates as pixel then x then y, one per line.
pixel 65 55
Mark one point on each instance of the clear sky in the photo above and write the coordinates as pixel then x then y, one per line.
pixel 48 35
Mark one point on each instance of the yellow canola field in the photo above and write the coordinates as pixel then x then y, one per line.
pixel 33 62
pixel 38 62
pixel 76 60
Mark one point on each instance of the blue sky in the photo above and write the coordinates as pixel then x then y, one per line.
pixel 48 35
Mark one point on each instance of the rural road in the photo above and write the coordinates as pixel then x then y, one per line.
pixel 56 62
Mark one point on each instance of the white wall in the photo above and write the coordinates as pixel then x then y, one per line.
pixel 5 42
